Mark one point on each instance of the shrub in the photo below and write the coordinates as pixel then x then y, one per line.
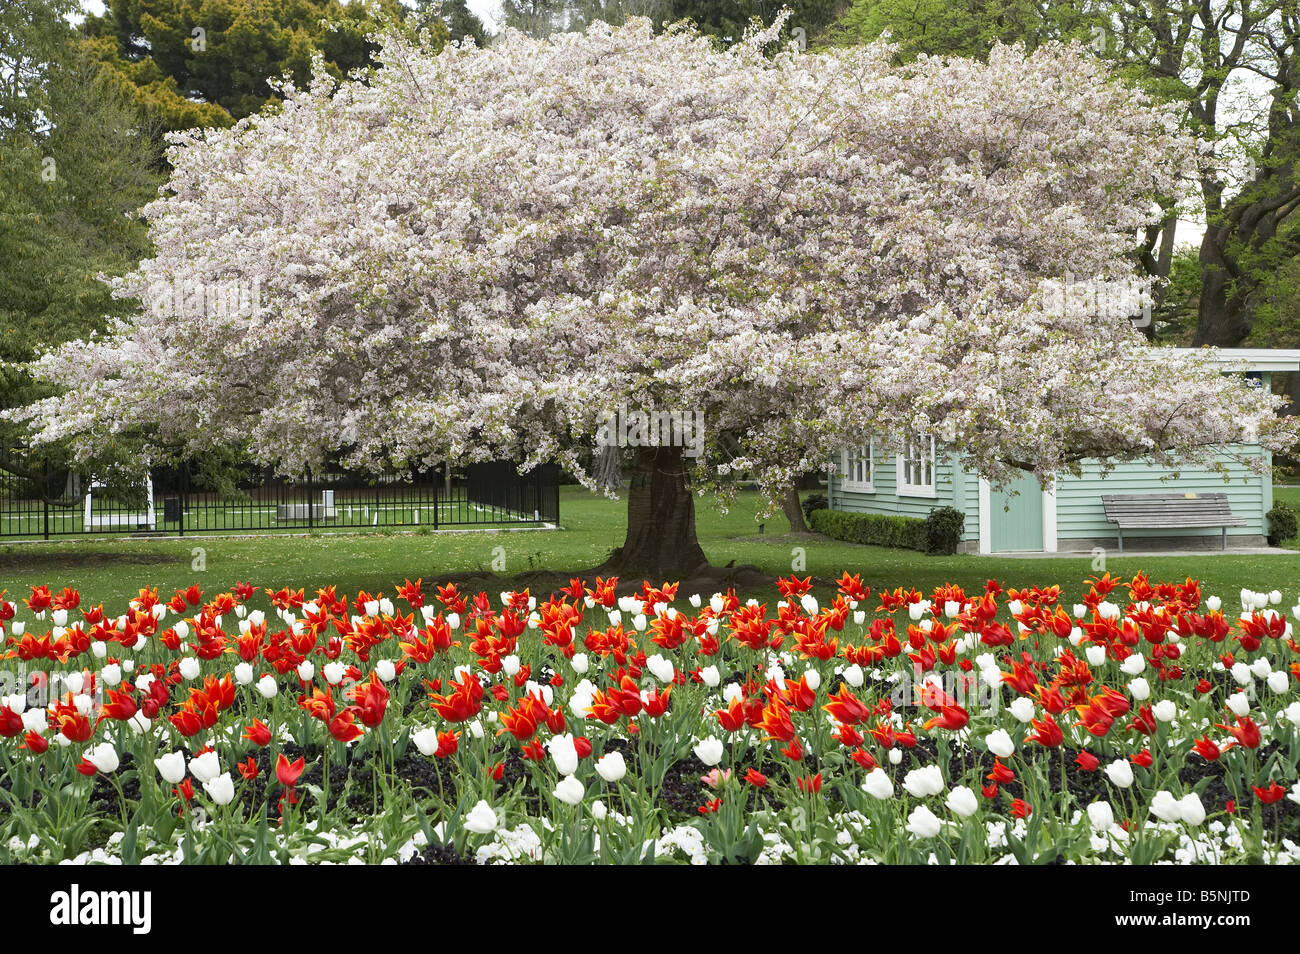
pixel 813 502
pixel 882 530
pixel 1281 524
pixel 943 530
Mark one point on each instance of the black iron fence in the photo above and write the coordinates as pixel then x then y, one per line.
pixel 170 502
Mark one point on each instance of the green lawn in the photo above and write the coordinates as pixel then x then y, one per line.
pixel 113 570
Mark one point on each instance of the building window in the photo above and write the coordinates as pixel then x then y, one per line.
pixel 857 465
pixel 916 467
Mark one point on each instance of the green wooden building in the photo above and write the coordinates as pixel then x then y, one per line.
pixel 1068 516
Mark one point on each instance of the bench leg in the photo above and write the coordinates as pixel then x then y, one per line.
pixel 1225 538
pixel 1120 533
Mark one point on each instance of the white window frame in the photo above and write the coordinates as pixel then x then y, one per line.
pixel 848 460
pixel 908 488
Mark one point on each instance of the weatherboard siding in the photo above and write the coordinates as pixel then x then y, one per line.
pixel 1079 511
pixel 953 488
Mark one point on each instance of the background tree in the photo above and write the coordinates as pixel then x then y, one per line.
pixel 483 253
pixel 1233 66
pixel 76 163
pixel 191 63
pixel 454 15
pixel 724 20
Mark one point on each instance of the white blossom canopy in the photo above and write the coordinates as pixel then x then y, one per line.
pixel 480 253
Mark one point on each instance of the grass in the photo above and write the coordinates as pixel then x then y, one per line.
pixel 113 570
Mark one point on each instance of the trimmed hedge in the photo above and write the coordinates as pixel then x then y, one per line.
pixel 877 529
pixel 940 532
pixel 1281 524
pixel 813 502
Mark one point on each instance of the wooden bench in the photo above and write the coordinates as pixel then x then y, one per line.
pixel 1166 511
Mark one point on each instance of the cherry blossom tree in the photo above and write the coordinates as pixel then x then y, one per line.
pixel 483 253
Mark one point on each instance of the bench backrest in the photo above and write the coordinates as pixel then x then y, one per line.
pixel 1180 505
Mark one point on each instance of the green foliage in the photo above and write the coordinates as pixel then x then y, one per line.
pixel 882 530
pixel 814 502
pixel 943 530
pixel 194 63
pixel 725 20
pixel 964 27
pixel 72 175
pixel 453 15
pixel 1281 524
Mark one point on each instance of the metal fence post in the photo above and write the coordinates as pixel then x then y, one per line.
pixel 311 509
pixel 45 499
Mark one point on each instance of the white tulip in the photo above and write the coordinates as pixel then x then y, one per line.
pixel 171 767
pixel 426 740
pixel 221 789
pixel 1022 708
pixel 564 753
pixel 878 784
pixel 1165 807
pixel 266 687
pixel 334 672
pixel 1191 809
pixel 570 790
pixel 1140 689
pixel 243 674
pixel 1000 744
pixel 1101 816
pixel 661 668
pixel 1134 664
pixel 1279 681
pixel 923 823
pixel 611 767
pixel 1239 703
pixel 710 676
pixel 709 751
pixel 962 801
pixel 1165 710
pixel 1120 773
pixel 306 670
pixel 923 782
pixel 103 757
pixel 205 767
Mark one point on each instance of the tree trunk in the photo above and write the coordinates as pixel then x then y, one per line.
pixel 1223 319
pixel 661 541
pixel 793 508
pixel 609 468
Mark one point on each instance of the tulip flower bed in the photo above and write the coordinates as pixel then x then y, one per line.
pixel 1142 724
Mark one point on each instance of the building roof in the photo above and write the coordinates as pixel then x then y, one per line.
pixel 1250 359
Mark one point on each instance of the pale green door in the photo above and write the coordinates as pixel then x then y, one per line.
pixel 1021 526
